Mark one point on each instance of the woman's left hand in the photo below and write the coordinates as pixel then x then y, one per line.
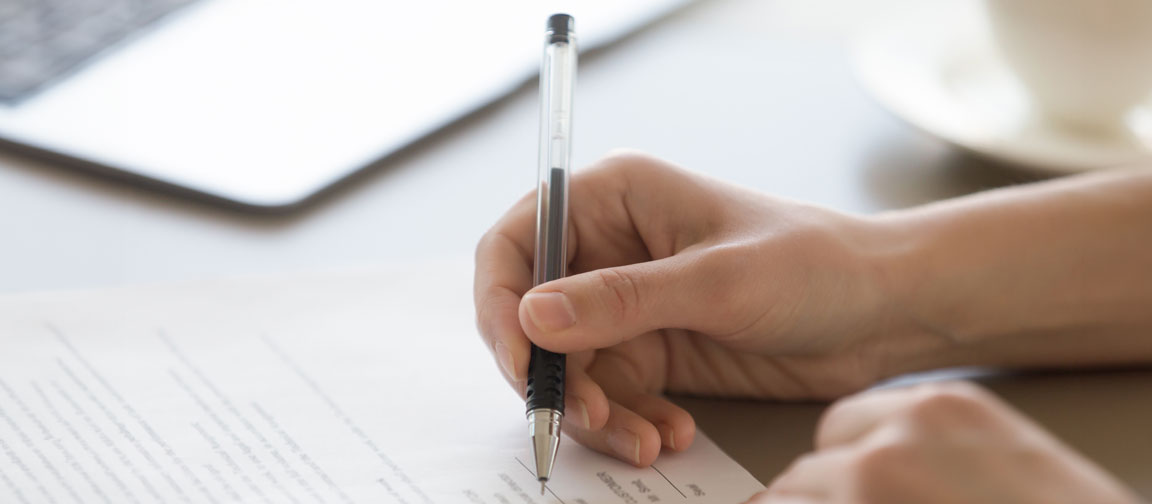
pixel 939 443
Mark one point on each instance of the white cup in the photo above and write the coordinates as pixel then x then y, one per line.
pixel 1085 63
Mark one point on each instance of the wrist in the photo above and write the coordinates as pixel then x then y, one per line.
pixel 1042 275
pixel 910 336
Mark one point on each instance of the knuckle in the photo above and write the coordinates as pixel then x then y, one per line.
pixel 832 417
pixel 876 463
pixel 503 229
pixel 484 321
pixel 490 242
pixel 627 157
pixel 619 291
pixel 805 462
pixel 482 245
pixel 630 162
pixel 875 472
pixel 950 404
pixel 487 314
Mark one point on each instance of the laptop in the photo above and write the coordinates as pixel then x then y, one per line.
pixel 263 103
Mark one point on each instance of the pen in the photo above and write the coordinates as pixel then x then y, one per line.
pixel 545 387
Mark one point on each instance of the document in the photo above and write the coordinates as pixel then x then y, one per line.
pixel 334 388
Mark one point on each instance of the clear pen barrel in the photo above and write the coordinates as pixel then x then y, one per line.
pixel 557 78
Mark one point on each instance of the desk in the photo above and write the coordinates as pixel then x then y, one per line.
pixel 756 92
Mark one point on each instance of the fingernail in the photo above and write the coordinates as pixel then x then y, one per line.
pixel 550 311
pixel 581 412
pixel 625 444
pixel 506 362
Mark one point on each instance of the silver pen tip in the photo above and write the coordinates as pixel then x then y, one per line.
pixel 543 484
pixel 544 428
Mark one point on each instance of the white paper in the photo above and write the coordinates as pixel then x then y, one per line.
pixel 368 388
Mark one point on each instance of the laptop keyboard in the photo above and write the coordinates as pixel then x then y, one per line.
pixel 42 40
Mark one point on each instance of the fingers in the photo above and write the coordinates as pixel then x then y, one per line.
pixel 503 274
pixel 676 427
pixel 623 379
pixel 626 435
pixel 606 197
pixel 928 443
pixel 605 307
pixel 636 433
pixel 623 420
pixel 852 418
pixel 855 417
pixel 585 404
pixel 632 424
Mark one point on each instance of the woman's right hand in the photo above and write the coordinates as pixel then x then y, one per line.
pixel 679 283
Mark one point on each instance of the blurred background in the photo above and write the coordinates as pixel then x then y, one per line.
pixel 762 93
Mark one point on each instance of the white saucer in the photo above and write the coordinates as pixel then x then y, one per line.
pixel 933 64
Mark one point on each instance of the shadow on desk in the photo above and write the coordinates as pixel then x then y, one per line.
pixel 1106 415
pixel 895 179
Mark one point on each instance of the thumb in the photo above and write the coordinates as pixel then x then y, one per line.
pixel 602 308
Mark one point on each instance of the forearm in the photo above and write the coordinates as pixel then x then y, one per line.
pixel 1051 274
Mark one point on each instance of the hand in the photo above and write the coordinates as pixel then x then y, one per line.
pixel 940 443
pixel 680 283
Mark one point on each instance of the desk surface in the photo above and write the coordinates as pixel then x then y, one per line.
pixel 759 93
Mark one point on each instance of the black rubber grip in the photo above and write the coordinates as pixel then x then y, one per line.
pixel 546 380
